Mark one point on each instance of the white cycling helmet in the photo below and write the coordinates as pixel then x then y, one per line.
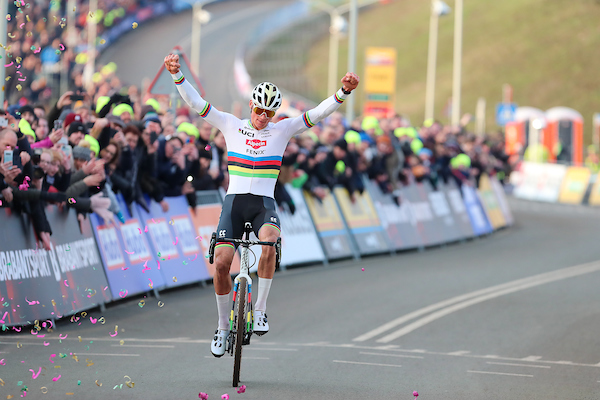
pixel 266 95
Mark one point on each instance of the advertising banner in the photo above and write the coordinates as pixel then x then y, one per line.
pixel 176 250
pixel 442 210
pixel 299 241
pixel 539 182
pixel 501 197
pixel 330 226
pixel 396 219
pixel 574 185
pixel 126 254
pixel 487 197
pixel 461 216
pixel 428 224
pixel 206 219
pixel 594 199
pixel 36 284
pixel 479 221
pixel 363 221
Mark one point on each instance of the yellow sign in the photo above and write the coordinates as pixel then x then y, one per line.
pixel 380 70
pixel 574 185
pixel 490 202
pixel 325 212
pixel 359 214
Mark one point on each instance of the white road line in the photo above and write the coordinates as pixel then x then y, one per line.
pixel 519 365
pixel 364 363
pixel 499 290
pixel 245 358
pixel 500 373
pixel 390 355
pixel 106 354
pixel 158 346
pixel 268 349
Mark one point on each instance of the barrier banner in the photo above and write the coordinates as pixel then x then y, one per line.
pixel 36 284
pixel 461 216
pixel 479 221
pixel 363 221
pixel 397 220
pixel 594 199
pixel 501 197
pixel 176 251
pixel 443 212
pixel 205 217
pixel 537 181
pixel 429 226
pixel 488 200
pixel 574 185
pixel 126 254
pixel 299 240
pixel 330 226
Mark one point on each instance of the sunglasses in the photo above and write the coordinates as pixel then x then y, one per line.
pixel 260 111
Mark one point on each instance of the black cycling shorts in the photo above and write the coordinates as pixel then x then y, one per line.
pixel 241 208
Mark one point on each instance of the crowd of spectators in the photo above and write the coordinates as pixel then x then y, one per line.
pixel 93 143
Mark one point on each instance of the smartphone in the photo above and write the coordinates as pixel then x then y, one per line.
pixel 58 124
pixel 3 122
pixel 8 157
pixel 76 97
pixel 153 137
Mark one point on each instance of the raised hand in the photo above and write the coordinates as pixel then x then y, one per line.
pixel 350 81
pixel 172 63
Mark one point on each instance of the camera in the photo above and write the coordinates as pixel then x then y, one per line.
pixel 38 172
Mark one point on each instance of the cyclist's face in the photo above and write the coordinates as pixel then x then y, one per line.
pixel 258 121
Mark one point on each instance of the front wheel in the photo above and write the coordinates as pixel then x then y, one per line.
pixel 240 327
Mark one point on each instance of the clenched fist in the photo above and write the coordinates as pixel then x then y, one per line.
pixel 172 63
pixel 350 81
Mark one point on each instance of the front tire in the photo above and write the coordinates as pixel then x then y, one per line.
pixel 240 327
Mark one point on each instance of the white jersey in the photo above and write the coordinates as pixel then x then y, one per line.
pixel 254 156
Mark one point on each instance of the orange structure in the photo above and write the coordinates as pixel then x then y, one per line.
pixel 565 135
pixel 516 133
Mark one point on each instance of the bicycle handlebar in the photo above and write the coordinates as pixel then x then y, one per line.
pixel 248 242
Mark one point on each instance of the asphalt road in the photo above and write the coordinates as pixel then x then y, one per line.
pixel 509 316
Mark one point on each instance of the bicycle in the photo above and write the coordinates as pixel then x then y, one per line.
pixel 241 318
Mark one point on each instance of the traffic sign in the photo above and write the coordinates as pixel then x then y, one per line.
pixel 505 112
pixel 163 81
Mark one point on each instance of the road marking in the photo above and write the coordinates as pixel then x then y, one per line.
pixel 458 303
pixel 364 363
pixel 268 349
pixel 500 373
pixel 519 365
pixel 24 343
pixel 390 355
pixel 106 354
pixel 245 358
pixel 531 358
pixel 158 346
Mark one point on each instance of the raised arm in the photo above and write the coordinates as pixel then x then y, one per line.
pixel 311 117
pixel 193 99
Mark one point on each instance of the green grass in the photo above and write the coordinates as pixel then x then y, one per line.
pixel 546 49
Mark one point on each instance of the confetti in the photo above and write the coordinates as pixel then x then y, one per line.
pixel 44 389
pixel 195 257
pixel 207 147
pixel 124 268
pixel 102 320
pixel 140 229
pixel 19 345
pixel 98 383
pixel 56 378
pixel 161 304
pixel 89 362
pixel 102 41
pixel 61 336
pixel 34 375
pixel 242 389
pixel 8 65
pixel 122 342
pixel 142 303
pixel 225 396
pixel 176 241
pixel 1 382
pixel 203 396
pixel 66 284
pixel 129 252
pixel 146 228
pixel 46 343
pixel 19 87
pixel 71 200
pixel 93 321
pixel 151 284
pixel 363 269
pixel 153 220
pixel 415 394
pixel 174 279
pixel 61 46
pixel 122 293
pixel 31 302
pixel 2 362
pixel 134 25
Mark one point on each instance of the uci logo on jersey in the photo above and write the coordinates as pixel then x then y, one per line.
pixel 256 143
pixel 244 132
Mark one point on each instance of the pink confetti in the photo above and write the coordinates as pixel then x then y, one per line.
pixel 146 228
pixel 56 379
pixel 363 269
pixel 5 314
pixel 122 294
pixel 37 50
pixel 242 389
pixel 106 287
pixel 22 79
pixel 123 269
pixel 207 147
pixel 151 284
pixel 415 394
pixel 61 336
pixel 153 220
pixel 8 65
pixel 16 329
pixel 93 320
pixel 51 358
pixel 46 343
pixel 203 396
pixel 225 396
pixel 34 375
pixel 41 336
pixel 66 284
pixel 2 362
pixel 198 237
pixel 195 257
pixel 22 25
pixel 140 229
pixel 176 241
pixel 61 46
pixel 169 257
pixel 158 264
pixel 146 267
pixel 129 252
pixel 34 332
pixel 31 302
pixel 113 335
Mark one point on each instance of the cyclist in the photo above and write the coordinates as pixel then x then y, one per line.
pixel 255 148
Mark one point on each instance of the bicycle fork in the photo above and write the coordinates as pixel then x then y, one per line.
pixel 249 328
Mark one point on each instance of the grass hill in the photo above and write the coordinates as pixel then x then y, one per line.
pixel 548 50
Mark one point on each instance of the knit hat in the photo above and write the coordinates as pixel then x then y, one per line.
pixel 81 153
pixel 121 108
pixel 188 128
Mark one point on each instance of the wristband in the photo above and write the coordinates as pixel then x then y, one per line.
pixel 346 92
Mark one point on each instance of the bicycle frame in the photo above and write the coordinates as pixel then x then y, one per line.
pixel 244 273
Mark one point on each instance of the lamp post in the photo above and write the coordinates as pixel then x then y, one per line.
pixel 88 71
pixel 199 17
pixel 352 55
pixel 3 33
pixel 438 9
pixel 457 68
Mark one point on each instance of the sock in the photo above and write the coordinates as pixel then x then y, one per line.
pixel 223 307
pixel 263 292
